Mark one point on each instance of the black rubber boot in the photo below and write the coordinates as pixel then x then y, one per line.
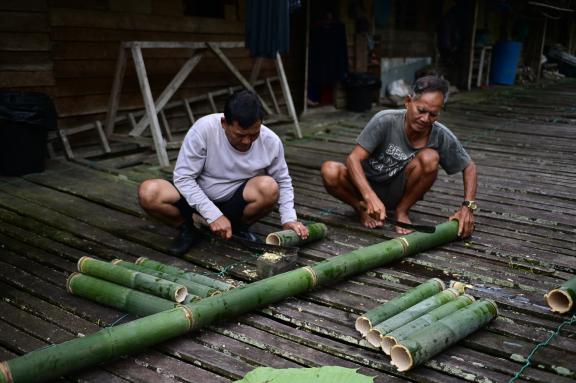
pixel 186 239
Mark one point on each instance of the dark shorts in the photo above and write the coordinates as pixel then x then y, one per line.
pixel 390 191
pixel 232 208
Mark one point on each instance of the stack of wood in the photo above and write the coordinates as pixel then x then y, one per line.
pixel 424 321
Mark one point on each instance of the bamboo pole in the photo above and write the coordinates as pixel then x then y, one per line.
pixel 133 279
pixel 395 306
pixel 173 270
pixel 561 299
pixel 47 363
pixel 375 336
pixel 424 344
pixel 113 295
pixel 425 320
pixel 316 231
pixel 192 287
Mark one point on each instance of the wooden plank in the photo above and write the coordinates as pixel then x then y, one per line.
pixel 23 22
pixel 24 5
pixel 159 142
pixel 21 42
pixel 22 79
pixel 107 20
pixel 115 92
pixel 168 92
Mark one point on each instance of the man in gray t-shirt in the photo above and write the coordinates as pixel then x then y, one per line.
pixel 396 159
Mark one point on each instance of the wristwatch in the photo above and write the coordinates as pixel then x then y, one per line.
pixel 470 205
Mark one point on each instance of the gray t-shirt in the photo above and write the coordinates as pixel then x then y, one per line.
pixel 390 150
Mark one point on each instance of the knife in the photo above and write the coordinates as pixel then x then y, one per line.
pixel 411 226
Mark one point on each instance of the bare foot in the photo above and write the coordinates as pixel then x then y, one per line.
pixel 368 221
pixel 403 217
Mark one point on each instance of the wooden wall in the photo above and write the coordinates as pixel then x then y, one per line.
pixel 68 48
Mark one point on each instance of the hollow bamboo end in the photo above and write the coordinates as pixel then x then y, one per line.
pixel 401 358
pixel 5 371
pixel 273 239
pixel 69 282
pixel 141 260
pixel 440 283
pixel 493 303
pixel 81 262
pixel 387 343
pixel 180 294
pixel 459 286
pixel 559 301
pixel 374 337
pixel 363 325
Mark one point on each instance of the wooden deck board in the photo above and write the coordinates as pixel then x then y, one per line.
pixel 525 243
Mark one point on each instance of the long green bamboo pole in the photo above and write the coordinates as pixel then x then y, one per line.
pixel 172 270
pixel 134 279
pixel 365 322
pixel 425 320
pixel 51 362
pixel 316 231
pixel 561 299
pixel 120 297
pixel 424 344
pixel 192 287
pixel 374 336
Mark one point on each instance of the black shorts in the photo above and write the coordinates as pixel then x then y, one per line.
pixel 390 191
pixel 232 208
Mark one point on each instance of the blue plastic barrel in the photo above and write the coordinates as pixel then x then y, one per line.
pixel 505 57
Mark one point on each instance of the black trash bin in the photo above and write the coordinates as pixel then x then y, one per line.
pixel 25 119
pixel 360 91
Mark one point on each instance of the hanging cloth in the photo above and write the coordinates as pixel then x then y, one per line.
pixel 267 27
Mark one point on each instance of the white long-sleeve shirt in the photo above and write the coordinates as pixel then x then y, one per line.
pixel 209 169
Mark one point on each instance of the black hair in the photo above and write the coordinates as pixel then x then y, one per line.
pixel 430 84
pixel 244 108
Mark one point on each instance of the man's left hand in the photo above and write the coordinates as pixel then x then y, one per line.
pixel 465 222
pixel 298 227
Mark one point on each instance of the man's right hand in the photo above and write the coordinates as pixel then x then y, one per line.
pixel 375 208
pixel 222 227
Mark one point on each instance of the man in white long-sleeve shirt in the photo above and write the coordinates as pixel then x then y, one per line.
pixel 231 170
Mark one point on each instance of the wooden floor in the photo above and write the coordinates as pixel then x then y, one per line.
pixel 523 141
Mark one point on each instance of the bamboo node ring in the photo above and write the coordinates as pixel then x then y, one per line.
pixel 405 244
pixel 313 274
pixel 189 315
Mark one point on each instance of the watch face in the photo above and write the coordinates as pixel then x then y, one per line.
pixel 470 205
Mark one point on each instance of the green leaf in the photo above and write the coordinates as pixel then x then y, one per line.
pixel 326 374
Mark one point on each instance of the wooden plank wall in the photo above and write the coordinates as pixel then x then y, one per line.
pixel 25 48
pixel 71 48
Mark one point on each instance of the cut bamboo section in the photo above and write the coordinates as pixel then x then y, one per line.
pixel 424 344
pixel 192 287
pixel 561 299
pixel 375 336
pixel 316 231
pixel 47 363
pixel 194 277
pixel 134 279
pixel 425 320
pixel 113 295
pixel 395 306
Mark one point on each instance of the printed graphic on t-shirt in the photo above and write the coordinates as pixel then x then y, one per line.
pixel 389 162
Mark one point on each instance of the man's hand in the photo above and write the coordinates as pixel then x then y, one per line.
pixel 298 227
pixel 375 208
pixel 222 227
pixel 465 222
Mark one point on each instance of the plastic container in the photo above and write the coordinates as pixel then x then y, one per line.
pixel 505 57
pixel 360 89
pixel 25 119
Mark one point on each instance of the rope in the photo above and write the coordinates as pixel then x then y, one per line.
pixel 567 322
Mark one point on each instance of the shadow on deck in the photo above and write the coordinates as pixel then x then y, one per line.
pixel 525 244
